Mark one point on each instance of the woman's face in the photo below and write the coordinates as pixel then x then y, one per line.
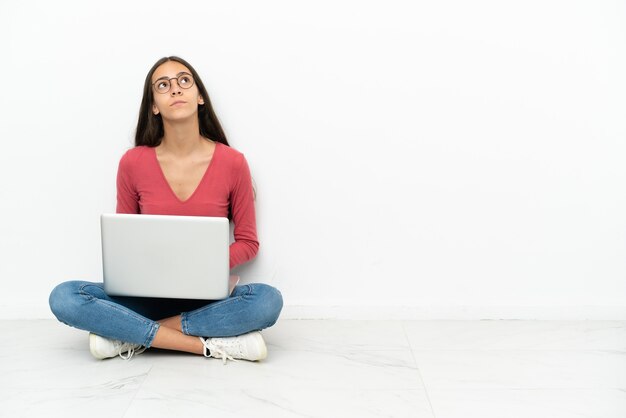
pixel 182 98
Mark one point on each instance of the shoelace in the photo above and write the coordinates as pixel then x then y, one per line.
pixel 130 350
pixel 217 350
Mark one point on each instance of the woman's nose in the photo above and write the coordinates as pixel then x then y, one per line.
pixel 175 89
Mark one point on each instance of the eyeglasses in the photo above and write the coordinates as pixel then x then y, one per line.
pixel 163 85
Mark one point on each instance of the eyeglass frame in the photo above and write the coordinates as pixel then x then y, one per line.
pixel 169 80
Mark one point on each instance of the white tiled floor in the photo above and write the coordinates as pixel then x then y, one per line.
pixel 442 369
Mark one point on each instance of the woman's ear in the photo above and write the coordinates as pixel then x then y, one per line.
pixel 200 100
pixel 155 111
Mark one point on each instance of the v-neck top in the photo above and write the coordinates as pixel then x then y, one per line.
pixel 225 190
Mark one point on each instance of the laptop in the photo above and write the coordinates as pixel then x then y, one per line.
pixel 164 256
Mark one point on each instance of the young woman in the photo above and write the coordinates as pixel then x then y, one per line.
pixel 181 165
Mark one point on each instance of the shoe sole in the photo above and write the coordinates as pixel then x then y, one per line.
pixel 93 343
pixel 261 341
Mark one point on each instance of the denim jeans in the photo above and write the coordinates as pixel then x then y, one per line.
pixel 84 305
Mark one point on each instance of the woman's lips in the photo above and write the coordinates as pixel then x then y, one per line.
pixel 178 103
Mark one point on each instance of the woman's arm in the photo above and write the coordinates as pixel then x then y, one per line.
pixel 246 244
pixel 127 198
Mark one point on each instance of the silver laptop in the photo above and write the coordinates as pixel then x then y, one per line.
pixel 166 256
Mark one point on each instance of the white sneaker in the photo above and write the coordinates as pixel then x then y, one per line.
pixel 248 346
pixel 102 348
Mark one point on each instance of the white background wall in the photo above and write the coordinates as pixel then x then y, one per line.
pixel 419 159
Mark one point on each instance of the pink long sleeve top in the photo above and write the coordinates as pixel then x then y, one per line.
pixel 225 190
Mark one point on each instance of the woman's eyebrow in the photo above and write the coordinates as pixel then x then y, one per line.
pixel 166 77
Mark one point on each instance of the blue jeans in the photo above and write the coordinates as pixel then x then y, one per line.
pixel 84 305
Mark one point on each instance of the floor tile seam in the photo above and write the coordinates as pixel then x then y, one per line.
pixel 264 365
pixel 419 373
pixel 338 350
pixel 272 349
pixel 574 350
pixel 528 389
pixel 323 386
pixel 329 390
pixel 608 324
pixel 434 389
pixel 299 381
pixel 301 389
pixel 130 403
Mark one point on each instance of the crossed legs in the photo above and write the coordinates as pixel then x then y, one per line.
pixel 170 336
pixel 84 305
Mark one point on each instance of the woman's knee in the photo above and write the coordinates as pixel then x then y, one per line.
pixel 270 304
pixel 63 300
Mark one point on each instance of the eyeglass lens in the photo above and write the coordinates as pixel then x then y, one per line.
pixel 185 81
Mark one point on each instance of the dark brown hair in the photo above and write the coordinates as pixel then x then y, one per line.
pixel 150 126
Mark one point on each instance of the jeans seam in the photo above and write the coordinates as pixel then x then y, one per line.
pixel 85 294
pixel 153 330
pixel 183 323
